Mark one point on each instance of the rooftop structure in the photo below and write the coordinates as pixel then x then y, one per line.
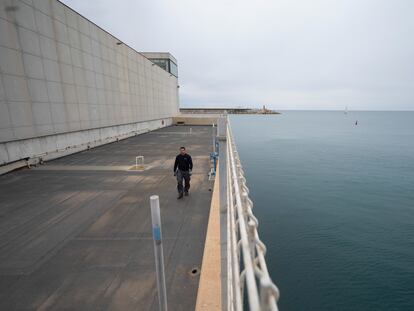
pixel 76 231
pixel 67 85
pixel 164 60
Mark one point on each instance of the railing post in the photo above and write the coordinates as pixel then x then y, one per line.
pixel 158 251
pixel 221 147
pixel 214 137
pixel 221 138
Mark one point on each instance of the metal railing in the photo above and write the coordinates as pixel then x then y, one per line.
pixel 248 283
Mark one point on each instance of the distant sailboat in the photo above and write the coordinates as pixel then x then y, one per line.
pixel 346 110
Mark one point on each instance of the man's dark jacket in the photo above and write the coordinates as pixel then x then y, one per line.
pixel 183 162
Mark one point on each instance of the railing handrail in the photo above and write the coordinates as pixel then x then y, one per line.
pixel 247 268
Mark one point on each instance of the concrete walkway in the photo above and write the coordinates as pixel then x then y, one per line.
pixel 75 233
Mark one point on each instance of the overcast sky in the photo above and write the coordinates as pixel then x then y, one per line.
pixel 285 54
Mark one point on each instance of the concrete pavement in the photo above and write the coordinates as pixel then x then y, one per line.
pixel 75 233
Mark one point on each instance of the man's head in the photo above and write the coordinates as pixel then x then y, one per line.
pixel 182 150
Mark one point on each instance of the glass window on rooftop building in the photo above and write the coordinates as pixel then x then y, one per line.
pixel 173 68
pixel 166 64
pixel 163 63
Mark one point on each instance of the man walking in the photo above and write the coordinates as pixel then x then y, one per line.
pixel 182 170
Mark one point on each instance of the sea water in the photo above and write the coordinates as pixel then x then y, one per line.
pixel 335 203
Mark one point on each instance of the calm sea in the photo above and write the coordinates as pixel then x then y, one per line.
pixel 335 203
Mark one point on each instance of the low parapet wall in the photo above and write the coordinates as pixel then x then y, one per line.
pixel 15 154
pixel 200 119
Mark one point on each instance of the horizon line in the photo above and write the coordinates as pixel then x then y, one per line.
pixel 316 109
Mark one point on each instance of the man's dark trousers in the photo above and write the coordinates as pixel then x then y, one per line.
pixel 183 175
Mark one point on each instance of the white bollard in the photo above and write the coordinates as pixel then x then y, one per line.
pixel 158 251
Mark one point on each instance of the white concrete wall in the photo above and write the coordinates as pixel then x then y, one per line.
pixel 38 149
pixel 60 73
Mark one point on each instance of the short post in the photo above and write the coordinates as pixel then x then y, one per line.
pixel 142 162
pixel 158 252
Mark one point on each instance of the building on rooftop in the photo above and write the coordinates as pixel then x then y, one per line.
pixel 164 60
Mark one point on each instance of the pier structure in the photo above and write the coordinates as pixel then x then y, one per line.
pixel 89 129
pixel 76 231
pixel 226 110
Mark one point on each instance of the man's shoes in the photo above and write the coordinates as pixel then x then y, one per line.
pixel 186 193
pixel 180 196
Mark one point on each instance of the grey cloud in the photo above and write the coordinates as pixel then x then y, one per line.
pixel 286 54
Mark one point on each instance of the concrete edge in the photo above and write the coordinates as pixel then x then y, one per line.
pixel 209 288
pixel 207 119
